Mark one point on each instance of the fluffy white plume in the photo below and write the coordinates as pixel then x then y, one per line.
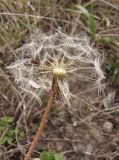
pixel 57 54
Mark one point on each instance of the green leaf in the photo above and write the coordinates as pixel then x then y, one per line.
pixel 90 3
pixel 112 66
pixel 3 140
pixel 51 155
pixel 2 128
pixel 7 119
pixel 91 24
pixel 20 132
pixel 10 140
pixel 11 133
pixel 47 155
pixel 106 39
pixel 59 156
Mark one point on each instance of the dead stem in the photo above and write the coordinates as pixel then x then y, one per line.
pixel 44 119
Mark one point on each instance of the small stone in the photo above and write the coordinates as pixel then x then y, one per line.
pixel 107 127
pixel 75 124
pixel 108 101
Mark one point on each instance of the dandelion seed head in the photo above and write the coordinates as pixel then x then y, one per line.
pixel 57 55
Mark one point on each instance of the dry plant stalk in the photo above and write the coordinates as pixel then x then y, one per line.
pixel 44 119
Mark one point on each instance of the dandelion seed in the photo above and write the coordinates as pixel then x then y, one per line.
pixel 57 55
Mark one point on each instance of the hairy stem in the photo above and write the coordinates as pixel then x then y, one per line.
pixel 44 120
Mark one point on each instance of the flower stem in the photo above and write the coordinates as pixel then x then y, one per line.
pixel 44 119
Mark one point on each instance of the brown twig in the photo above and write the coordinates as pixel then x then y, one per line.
pixel 44 119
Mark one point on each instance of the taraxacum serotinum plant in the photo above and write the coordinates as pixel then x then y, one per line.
pixel 48 62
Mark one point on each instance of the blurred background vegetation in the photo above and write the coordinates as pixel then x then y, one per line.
pixel 19 19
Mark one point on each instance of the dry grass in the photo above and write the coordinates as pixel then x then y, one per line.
pixel 77 132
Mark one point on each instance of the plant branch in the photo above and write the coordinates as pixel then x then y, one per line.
pixel 44 119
